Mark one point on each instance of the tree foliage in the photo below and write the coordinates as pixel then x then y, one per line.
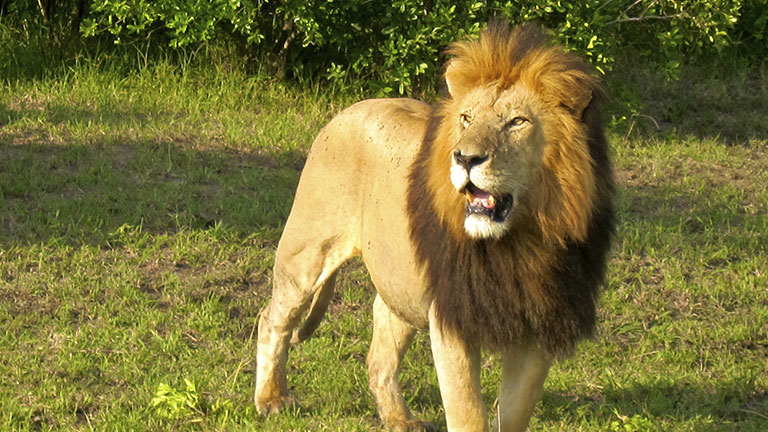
pixel 395 45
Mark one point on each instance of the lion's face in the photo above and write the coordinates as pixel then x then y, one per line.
pixel 498 151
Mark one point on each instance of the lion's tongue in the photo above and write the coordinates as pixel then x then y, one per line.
pixel 482 198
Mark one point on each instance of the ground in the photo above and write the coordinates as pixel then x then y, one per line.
pixel 139 215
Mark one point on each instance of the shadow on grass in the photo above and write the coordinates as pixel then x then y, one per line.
pixel 53 189
pixel 725 215
pixel 722 403
pixel 59 114
pixel 724 102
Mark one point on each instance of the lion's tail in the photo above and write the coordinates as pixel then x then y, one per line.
pixel 316 311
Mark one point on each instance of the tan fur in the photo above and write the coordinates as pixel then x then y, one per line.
pixel 383 180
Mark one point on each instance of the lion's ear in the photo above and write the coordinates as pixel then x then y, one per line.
pixel 453 80
pixel 579 101
pixel 576 92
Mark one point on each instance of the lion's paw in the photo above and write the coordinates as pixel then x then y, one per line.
pixel 275 405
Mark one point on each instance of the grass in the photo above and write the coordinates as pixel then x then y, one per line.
pixel 139 213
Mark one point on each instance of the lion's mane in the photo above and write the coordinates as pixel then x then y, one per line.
pixel 539 282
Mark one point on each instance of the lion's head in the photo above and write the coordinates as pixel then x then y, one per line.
pixel 512 137
pixel 510 195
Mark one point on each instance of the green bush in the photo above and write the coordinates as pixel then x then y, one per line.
pixel 394 46
pixel 184 22
pixel 400 49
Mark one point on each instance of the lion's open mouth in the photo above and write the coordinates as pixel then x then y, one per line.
pixel 481 202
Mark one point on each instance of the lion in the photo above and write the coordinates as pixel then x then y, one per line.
pixel 485 219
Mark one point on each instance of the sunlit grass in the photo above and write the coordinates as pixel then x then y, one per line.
pixel 139 214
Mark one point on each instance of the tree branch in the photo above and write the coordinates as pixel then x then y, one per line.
pixel 646 18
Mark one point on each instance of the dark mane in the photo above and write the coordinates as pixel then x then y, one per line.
pixel 531 285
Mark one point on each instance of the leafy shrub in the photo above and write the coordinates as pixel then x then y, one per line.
pixel 750 32
pixel 394 46
pixel 185 22
pixel 397 44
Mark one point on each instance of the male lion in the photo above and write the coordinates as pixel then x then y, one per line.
pixel 485 220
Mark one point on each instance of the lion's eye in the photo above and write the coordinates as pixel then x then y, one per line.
pixel 465 120
pixel 515 122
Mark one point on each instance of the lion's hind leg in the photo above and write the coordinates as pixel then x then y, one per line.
pixel 303 276
pixel 391 339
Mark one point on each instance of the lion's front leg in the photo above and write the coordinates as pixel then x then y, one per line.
pixel 458 373
pixel 523 371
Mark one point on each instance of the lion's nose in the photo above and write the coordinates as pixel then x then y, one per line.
pixel 469 160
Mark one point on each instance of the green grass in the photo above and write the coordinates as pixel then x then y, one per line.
pixel 139 213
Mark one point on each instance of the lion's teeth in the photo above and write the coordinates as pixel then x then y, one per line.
pixel 491 201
